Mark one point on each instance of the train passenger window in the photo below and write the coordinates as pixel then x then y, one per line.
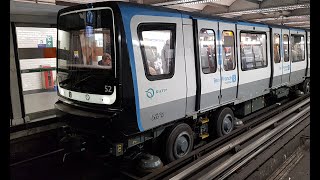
pixel 297 47
pixel 157 42
pixel 229 62
pixel 276 48
pixel 207 51
pixel 286 47
pixel 253 47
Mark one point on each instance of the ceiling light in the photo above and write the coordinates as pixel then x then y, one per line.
pixel 280 18
pixel 266 10
pixel 298 22
pixel 184 2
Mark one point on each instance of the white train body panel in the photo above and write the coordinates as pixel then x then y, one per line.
pixel 167 101
pixel 175 98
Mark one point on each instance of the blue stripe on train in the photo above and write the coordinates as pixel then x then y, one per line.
pixel 128 12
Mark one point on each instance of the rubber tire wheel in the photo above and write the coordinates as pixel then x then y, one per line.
pixel 219 119
pixel 305 86
pixel 171 138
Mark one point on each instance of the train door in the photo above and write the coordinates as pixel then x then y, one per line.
pixel 308 53
pixel 298 57
pixel 189 57
pixel 159 66
pixel 276 58
pixel 227 62
pixel 209 69
pixel 285 57
pixel 254 58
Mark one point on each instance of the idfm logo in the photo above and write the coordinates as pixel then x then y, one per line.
pixel 234 78
pixel 229 79
pixel 150 93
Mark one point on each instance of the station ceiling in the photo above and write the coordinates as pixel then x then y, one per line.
pixel 294 13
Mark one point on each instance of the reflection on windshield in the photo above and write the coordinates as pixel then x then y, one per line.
pixel 87 49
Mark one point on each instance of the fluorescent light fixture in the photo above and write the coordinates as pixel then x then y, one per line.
pixel 280 18
pixel 298 22
pixel 201 2
pixel 83 1
pixel 183 2
pixel 265 10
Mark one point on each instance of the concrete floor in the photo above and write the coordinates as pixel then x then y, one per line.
pixel 302 170
pixel 39 101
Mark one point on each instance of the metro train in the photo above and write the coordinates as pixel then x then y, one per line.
pixel 130 75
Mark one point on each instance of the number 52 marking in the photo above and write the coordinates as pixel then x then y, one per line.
pixel 107 88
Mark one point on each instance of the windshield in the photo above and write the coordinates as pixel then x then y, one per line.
pixel 86 58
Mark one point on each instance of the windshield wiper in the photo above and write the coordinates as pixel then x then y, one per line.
pixel 81 80
pixel 67 79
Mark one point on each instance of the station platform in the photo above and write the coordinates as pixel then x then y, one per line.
pixel 44 101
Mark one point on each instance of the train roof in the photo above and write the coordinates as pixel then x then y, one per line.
pixel 186 14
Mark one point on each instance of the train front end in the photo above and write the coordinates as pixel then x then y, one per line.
pixel 94 79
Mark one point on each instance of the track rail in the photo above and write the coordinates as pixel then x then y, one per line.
pixel 268 138
pixel 37 157
pixel 263 147
pixel 256 123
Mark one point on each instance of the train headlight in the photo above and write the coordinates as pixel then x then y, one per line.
pixel 61 91
pixel 106 100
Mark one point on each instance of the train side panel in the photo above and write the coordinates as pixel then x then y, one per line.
pixel 161 100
